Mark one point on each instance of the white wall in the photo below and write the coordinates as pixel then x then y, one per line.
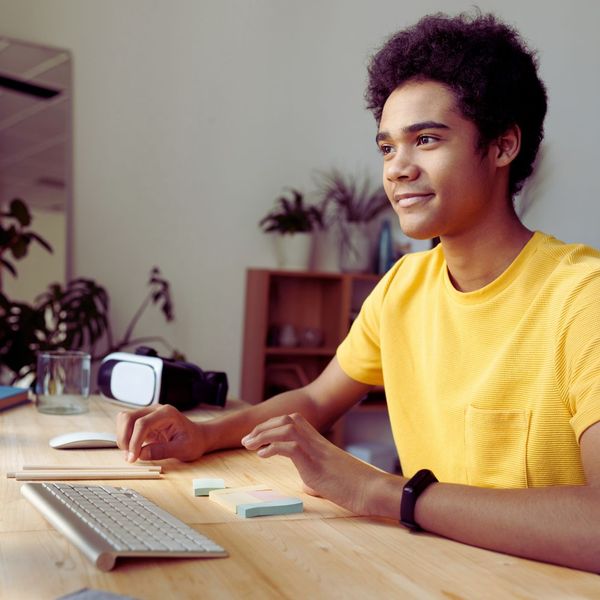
pixel 191 116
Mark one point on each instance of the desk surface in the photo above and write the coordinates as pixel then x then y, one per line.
pixel 325 552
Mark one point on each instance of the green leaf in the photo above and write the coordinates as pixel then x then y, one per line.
pixel 351 198
pixel 292 215
pixel 40 240
pixel 5 237
pixel 19 247
pixel 19 210
pixel 8 266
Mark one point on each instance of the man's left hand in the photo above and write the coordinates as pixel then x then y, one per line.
pixel 325 469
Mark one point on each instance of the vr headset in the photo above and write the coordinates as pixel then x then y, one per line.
pixel 144 378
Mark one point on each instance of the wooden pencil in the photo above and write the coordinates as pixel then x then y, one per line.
pixel 73 474
pixel 34 467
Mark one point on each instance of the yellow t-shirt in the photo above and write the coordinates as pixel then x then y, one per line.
pixel 493 387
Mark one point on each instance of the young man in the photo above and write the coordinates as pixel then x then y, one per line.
pixel 488 345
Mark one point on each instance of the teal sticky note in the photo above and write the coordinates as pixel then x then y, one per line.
pixel 201 487
pixel 283 506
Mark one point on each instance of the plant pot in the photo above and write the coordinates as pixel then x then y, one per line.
pixel 293 250
pixel 355 248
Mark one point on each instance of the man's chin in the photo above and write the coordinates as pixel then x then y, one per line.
pixel 418 232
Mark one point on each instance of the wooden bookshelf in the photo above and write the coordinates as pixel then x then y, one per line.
pixel 320 303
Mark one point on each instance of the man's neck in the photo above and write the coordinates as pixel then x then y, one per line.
pixel 478 258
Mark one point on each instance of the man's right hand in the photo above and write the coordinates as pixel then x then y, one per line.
pixel 159 432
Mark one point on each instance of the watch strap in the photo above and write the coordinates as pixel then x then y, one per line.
pixel 413 488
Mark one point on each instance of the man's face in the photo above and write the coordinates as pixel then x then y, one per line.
pixel 438 181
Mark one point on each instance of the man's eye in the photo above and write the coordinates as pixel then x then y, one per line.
pixel 426 139
pixel 385 149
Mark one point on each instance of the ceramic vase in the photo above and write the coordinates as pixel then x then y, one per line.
pixel 355 248
pixel 293 250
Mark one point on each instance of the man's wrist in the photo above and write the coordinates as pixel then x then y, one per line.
pixel 218 433
pixel 206 436
pixel 384 495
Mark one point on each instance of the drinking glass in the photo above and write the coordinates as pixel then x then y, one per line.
pixel 63 382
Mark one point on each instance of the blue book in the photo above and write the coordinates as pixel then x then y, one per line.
pixel 11 396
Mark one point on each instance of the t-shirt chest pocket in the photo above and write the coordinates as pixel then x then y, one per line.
pixel 496 447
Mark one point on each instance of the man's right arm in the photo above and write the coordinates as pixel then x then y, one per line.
pixel 163 432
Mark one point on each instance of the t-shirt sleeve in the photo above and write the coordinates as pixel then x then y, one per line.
pixel 359 355
pixel 580 342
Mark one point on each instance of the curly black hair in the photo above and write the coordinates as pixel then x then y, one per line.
pixel 489 68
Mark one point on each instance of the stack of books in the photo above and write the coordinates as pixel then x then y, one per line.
pixel 11 396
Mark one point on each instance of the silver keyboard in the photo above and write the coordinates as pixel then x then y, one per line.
pixel 106 522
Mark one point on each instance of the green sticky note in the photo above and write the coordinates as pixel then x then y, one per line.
pixel 283 506
pixel 202 487
pixel 256 501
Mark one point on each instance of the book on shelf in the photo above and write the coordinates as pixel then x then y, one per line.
pixel 11 396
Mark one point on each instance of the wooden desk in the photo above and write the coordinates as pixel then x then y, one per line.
pixel 324 552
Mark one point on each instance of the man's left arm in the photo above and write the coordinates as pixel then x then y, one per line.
pixel 559 524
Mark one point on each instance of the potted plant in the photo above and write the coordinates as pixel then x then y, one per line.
pixel 70 317
pixel 352 203
pixel 294 221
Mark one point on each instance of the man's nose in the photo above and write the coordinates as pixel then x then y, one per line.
pixel 402 167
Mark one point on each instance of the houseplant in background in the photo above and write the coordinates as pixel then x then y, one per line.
pixel 352 204
pixel 293 222
pixel 15 235
pixel 70 317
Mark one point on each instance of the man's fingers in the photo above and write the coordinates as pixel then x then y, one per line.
pixel 266 426
pixel 308 490
pixel 288 449
pixel 283 423
pixel 155 451
pixel 124 426
pixel 299 420
pixel 285 431
pixel 144 428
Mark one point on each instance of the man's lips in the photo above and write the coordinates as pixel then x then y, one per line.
pixel 409 199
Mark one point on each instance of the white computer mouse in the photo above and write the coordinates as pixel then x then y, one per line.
pixel 84 439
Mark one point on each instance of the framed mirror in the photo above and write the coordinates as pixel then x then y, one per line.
pixel 36 158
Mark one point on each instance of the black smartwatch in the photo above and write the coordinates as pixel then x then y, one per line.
pixel 413 488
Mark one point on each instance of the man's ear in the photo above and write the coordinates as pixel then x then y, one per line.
pixel 508 146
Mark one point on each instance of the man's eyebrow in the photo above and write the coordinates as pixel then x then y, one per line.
pixel 382 135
